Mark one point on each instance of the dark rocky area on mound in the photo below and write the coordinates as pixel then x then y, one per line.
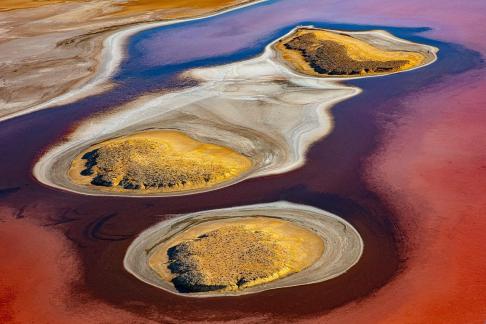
pixel 145 164
pixel 227 258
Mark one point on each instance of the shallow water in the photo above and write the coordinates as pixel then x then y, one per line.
pixel 101 228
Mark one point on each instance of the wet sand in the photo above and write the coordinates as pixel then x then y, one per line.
pixel 38 45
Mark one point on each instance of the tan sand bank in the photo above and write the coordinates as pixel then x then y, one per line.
pixel 290 245
pixel 335 53
pixel 156 161
pixel 25 4
pixel 175 8
pixel 80 40
pixel 235 254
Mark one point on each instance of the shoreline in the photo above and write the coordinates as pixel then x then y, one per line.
pixel 333 179
pixel 110 57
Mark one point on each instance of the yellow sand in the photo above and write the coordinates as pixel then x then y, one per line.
pixel 162 148
pixel 356 49
pixel 295 249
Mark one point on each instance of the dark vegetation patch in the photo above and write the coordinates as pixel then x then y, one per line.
pixel 329 57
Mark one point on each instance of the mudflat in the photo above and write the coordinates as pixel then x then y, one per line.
pixel 38 45
pixel 248 98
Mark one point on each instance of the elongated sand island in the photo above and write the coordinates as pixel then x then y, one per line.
pixel 327 53
pixel 243 250
pixel 260 116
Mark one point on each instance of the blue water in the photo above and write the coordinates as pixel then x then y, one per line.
pixel 136 77
pixel 23 139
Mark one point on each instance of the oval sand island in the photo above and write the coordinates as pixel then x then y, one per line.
pixel 244 250
pixel 156 161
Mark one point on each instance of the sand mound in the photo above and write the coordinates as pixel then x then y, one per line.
pixel 244 250
pixel 322 52
pixel 157 161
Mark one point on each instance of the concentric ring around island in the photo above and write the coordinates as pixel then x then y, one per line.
pixel 342 245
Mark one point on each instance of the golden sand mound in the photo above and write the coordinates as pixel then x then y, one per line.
pixel 160 161
pixel 320 52
pixel 233 255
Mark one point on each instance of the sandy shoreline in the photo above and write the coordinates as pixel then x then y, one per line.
pixel 109 59
pixel 237 105
pixel 343 244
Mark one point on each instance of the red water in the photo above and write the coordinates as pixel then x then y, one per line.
pixel 61 254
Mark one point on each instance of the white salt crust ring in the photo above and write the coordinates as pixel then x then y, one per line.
pixel 343 245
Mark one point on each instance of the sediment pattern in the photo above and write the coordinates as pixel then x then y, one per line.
pixel 76 44
pixel 231 251
pixel 238 106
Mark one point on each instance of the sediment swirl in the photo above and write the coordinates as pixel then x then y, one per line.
pixel 260 108
pixel 343 245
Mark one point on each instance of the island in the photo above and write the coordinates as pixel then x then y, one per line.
pixel 156 161
pixel 321 52
pixel 244 250
pixel 236 254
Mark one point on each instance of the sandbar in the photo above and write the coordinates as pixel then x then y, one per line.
pixel 84 44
